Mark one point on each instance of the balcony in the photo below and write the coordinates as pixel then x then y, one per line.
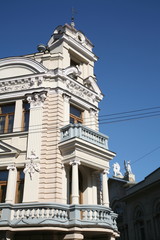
pixel 80 131
pixel 52 215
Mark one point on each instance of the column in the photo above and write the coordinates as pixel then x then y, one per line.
pixel 74 236
pixel 64 185
pixel 105 195
pixel 11 185
pixel 94 188
pixel 18 115
pixel 75 181
pixel 92 121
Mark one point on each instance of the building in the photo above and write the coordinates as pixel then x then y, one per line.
pixel 137 205
pixel 54 161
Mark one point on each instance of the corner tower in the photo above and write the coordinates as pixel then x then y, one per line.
pixel 54 159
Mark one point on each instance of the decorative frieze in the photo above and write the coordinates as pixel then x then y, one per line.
pixel 20 84
pixel 80 91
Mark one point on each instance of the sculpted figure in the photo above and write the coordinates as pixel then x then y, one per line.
pixel 127 166
pixel 116 170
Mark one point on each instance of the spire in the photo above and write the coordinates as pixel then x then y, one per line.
pixel 72 18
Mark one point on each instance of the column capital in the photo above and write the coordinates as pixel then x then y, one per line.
pixel 36 99
pixel 11 167
pixel 66 97
pixel 106 171
pixel 75 162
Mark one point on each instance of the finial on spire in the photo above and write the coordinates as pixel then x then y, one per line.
pixel 72 18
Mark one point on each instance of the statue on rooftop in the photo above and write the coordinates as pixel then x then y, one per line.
pixel 127 167
pixel 116 170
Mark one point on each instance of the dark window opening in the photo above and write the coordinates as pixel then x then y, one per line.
pixel 73 63
pixel 20 186
pixel 25 123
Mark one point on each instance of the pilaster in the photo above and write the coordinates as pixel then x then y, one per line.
pixel 31 182
pixel 36 101
pixel 66 109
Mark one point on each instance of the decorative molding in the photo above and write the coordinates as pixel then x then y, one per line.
pixel 75 162
pixel 80 91
pixel 73 71
pixel 32 167
pixel 66 97
pixel 106 171
pixel 11 167
pixel 18 84
pixel 36 99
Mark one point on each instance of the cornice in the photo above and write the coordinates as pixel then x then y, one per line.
pixel 18 86
pixel 28 62
pixel 79 47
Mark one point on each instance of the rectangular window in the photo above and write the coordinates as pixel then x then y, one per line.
pixel 6 118
pixel 3 185
pixel 76 115
pixel 25 123
pixel 20 186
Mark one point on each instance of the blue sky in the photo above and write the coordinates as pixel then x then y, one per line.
pixel 126 35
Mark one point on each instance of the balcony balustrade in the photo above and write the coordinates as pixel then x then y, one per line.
pixel 80 131
pixel 48 214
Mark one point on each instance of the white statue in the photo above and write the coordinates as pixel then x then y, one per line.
pixel 127 167
pixel 116 170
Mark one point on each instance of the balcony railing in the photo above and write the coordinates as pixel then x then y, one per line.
pixel 85 133
pixel 48 214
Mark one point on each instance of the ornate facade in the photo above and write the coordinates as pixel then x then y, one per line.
pixel 54 161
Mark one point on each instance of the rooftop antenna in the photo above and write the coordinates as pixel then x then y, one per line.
pixel 72 18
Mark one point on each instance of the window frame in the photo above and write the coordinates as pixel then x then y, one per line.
pixel 6 127
pixel 75 118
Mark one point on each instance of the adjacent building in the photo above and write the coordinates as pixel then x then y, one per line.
pixel 137 206
pixel 53 159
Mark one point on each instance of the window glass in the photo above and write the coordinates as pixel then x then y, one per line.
pixel 26 107
pixel 20 186
pixel 75 111
pixel 76 115
pixel 3 185
pixel 6 117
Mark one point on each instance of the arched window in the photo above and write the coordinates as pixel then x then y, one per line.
pixel 139 224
